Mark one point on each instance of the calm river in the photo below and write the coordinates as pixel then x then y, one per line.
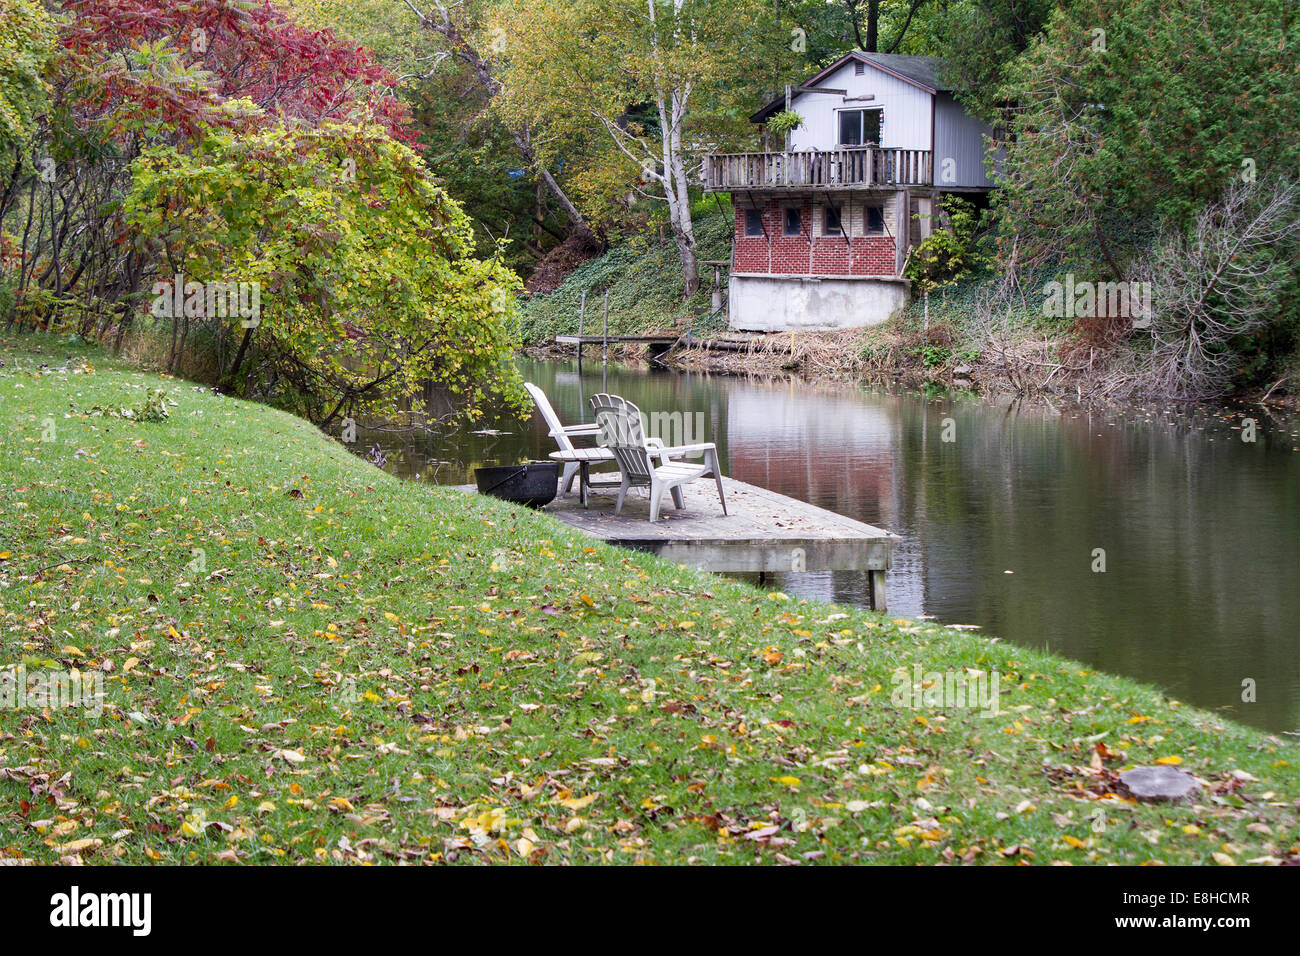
pixel 1000 525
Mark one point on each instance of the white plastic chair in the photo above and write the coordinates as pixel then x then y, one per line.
pixel 622 433
pixel 561 433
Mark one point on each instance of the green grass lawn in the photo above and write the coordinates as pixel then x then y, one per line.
pixel 308 661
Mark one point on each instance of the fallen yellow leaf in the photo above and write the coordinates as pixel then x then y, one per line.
pixel 578 803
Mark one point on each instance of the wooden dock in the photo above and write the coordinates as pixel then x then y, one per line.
pixel 763 532
pixel 657 344
pixel 666 338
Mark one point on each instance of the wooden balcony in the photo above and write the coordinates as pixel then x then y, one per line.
pixel 852 167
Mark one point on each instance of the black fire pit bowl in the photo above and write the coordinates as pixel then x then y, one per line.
pixel 533 484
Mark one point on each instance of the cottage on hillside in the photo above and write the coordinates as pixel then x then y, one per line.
pixel 824 222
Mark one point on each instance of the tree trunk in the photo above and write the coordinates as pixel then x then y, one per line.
pixel 672 111
pixel 239 357
pixel 462 49
pixel 171 351
pixel 577 223
pixel 180 350
pixel 690 260
pixel 684 227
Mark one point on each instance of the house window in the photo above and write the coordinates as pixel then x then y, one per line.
pixel 873 218
pixel 753 222
pixel 833 225
pixel 793 221
pixel 861 127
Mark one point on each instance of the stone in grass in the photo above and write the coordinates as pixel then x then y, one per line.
pixel 1159 783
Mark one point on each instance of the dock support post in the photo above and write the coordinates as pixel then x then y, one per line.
pixel 876 586
pixel 604 336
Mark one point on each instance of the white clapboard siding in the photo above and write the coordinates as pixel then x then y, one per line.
pixel 959 145
pixel 907 110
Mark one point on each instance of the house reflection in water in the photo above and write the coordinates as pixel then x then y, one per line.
pixel 829 448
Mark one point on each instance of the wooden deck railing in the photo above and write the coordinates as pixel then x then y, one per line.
pixel 851 166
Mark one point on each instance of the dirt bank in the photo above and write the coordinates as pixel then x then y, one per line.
pixel 1026 365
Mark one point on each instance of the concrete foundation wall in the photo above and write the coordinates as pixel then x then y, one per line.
pixel 780 303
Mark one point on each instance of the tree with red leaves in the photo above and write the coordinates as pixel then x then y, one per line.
pixel 209 51
pixel 134 73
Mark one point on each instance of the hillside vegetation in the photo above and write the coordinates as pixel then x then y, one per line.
pixel 643 274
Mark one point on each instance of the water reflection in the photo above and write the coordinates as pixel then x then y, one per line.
pixel 1199 532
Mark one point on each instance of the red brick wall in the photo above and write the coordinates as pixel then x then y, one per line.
pixel 808 254
pixel 873 256
pixel 751 251
pixel 830 255
pixel 789 253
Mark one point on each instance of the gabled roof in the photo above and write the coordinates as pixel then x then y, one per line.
pixel 925 72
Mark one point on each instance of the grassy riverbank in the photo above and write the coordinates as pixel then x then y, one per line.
pixel 306 660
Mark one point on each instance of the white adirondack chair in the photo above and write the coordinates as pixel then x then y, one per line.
pixel 645 461
pixel 609 400
pixel 561 433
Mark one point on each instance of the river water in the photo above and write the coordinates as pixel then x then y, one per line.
pixel 1006 512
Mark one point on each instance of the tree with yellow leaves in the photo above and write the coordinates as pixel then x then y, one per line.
pixel 662 80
